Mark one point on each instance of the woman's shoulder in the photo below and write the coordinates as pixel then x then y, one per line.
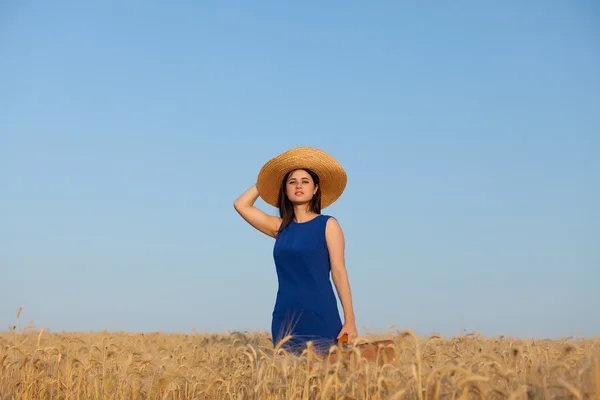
pixel 330 221
pixel 327 217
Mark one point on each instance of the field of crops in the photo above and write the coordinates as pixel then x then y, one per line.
pixel 120 365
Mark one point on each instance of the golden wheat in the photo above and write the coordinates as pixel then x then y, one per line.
pixel 120 365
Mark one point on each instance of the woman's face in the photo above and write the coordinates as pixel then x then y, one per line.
pixel 300 187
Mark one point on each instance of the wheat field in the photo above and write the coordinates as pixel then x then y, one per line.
pixel 121 365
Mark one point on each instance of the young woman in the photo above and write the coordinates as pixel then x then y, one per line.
pixel 309 246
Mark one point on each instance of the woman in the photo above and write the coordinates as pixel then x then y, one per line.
pixel 308 247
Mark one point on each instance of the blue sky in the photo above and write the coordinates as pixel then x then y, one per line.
pixel 469 132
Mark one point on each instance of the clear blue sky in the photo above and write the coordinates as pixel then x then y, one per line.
pixel 469 131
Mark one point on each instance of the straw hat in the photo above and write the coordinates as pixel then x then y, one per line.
pixel 331 174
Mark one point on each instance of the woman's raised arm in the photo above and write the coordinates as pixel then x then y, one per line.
pixel 244 205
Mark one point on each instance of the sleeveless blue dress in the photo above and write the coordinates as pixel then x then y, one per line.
pixel 305 306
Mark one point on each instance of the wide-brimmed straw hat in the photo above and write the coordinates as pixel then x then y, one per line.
pixel 332 176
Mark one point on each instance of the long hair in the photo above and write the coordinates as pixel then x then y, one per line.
pixel 286 208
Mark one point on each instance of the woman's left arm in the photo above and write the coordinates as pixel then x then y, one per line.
pixel 336 246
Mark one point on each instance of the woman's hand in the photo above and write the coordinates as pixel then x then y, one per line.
pixel 349 329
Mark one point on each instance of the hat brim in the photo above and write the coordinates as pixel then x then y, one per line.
pixel 332 176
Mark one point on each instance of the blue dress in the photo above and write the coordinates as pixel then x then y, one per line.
pixel 306 305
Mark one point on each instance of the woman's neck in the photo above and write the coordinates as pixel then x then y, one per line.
pixel 302 213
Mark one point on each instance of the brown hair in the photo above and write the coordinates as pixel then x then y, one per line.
pixel 286 208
